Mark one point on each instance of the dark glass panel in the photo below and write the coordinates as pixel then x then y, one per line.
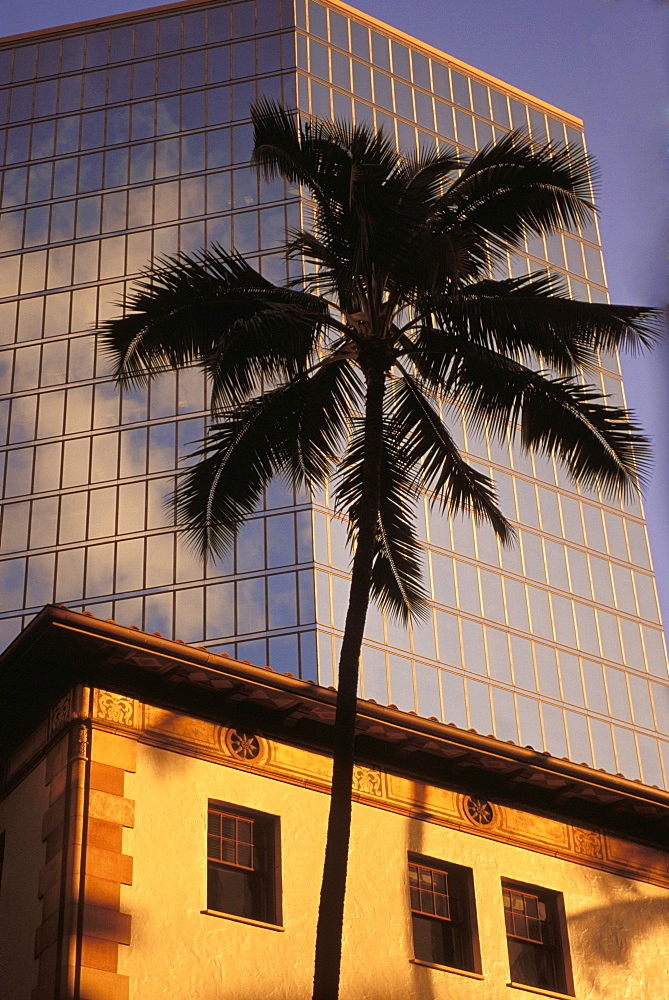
pixel 460 90
pixel 121 43
pixel 119 83
pixel 556 131
pixel 168 74
pixel 218 64
pixel 21 103
pixel 518 115
pixel 145 39
pixel 143 120
pixel 424 110
pixel 62 221
pixel 92 130
pixel 193 69
pixel 484 135
pixel 88 216
pixel 73 53
pixel 114 211
pixel 500 109
pixel 382 91
pixel 403 101
pixel 219 24
pixel 192 152
pixel 401 61
pixel 218 192
pixel 167 115
pixel 268 17
pixel 421 71
pixel 465 129
pixel 96 48
pixel 243 59
pixel 24 63
pixel 362 83
pixel 194 29
pixel 67 140
pixel 538 125
pixel 288 57
pixel 45 98
pixel 37 226
pixel 480 97
pixel 70 93
pixel 242 143
pixel 5 65
pixel 144 79
pixel 441 80
pixel 218 106
pixel 289 94
pixel 39 187
pixel 317 20
pixel 243 19
pixel 48 58
pixel 118 125
pixel 359 40
pixel 341 70
pixel 141 163
pixel 338 30
pixel 269 54
pixel 320 99
pixel 90 172
pixel 17 144
pixel 170 34
pixel 14 187
pixel 319 59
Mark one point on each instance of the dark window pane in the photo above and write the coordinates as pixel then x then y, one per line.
pixel 145 39
pixel 73 53
pixel 96 48
pixel 170 34
pixel 45 98
pixel 119 83
pixel 24 63
pixel 49 58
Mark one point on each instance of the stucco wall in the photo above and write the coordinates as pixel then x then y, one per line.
pixel 20 907
pixel 617 927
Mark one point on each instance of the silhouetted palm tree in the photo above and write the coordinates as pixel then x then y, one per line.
pixel 341 376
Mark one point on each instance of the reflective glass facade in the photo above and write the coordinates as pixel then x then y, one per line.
pixel 130 139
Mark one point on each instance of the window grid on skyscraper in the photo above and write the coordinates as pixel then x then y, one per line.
pixel 131 140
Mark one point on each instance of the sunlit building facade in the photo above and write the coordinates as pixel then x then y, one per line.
pixel 129 139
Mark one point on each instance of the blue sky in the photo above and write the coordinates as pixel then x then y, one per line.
pixel 602 60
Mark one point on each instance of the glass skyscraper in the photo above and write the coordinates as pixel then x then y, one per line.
pixel 129 139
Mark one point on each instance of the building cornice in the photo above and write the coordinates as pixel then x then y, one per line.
pixel 62 647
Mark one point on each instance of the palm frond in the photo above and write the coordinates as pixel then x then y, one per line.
pixel 397 568
pixel 429 449
pixel 599 445
pixel 214 309
pixel 513 186
pixel 295 432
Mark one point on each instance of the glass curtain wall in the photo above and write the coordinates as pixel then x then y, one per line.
pixel 128 140
pixel 555 642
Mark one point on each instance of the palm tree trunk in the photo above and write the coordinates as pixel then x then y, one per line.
pixel 333 888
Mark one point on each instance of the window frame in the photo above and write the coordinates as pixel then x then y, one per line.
pixel 557 947
pixel 264 872
pixel 462 920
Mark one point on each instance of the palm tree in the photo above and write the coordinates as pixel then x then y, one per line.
pixel 340 375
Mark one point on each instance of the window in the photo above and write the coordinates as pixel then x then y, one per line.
pixel 536 936
pixel 242 854
pixel 443 915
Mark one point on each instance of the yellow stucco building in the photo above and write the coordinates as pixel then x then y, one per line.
pixel 163 815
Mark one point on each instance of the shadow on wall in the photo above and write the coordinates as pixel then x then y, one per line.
pixel 422 977
pixel 613 933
